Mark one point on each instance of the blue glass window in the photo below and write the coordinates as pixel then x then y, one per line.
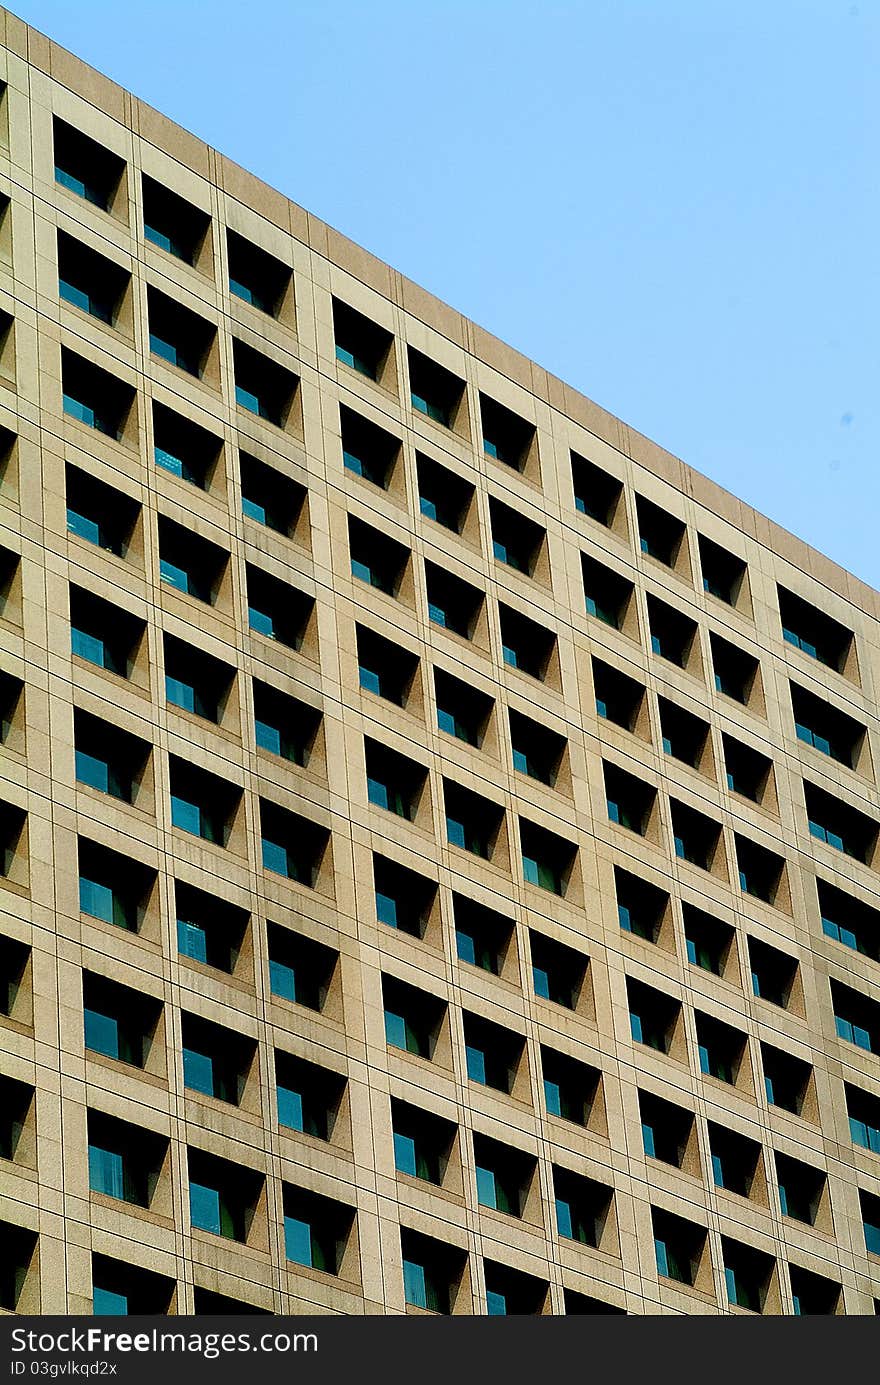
pixel 290 1108
pixel 108 1303
pixel 192 940
pixel 105 1172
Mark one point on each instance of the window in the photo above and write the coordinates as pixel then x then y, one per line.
pixel 12 707
pixel 292 846
pixel 404 899
pixel 527 646
pixel 209 930
pixel 708 941
pixel 802 1190
pixel 309 1097
pixel 517 542
pixel 483 937
pixel 113 887
pixel 184 448
pixel 547 860
pixel 196 682
pixel 813 1293
pixel 103 634
pixel 394 782
pixel 217 1062
pixel 367 450
pixel 422 1142
pixel 513 1293
pixel 870 1206
pixel 15 970
pixel 360 343
pixel 577 1304
pixel 661 535
pixel 10 586
pixel 494 1055
pixel 679 1246
pixel 685 736
pixel 815 633
pixel 748 772
pixel 736 1161
pixel 695 837
pixel 504 1176
pixel 558 971
pixel 189 563
pixel 283 725
pixel 99 513
pixel 271 498
pixel 788 1081
pixel 506 437
pixel 774 975
pixel 300 969
pixel 434 390
pixel 256 276
pixel 856 1018
pixel 654 1018
pixel 443 496
pixel 642 908
pixel 826 728
pixel 462 711
pixel 385 667
pixel 747 1275
pixel 223 1196
pixel 107 758
pixel 263 387
pixel 277 610
pixel 668 1132
pixel 537 751
pixel 17 1132
pixel 673 635
pixel 849 920
pixel 582 1207
pixel 202 803
pixel 863 1109
pixel 85 167
pixel 376 559
pixel 174 224
pixel 839 825
pixel 120 1289
pixel 630 803
pixel 761 872
pixel 596 493
pixel 413 1019
pixel 210 1305
pixel 432 1272
pixel 721 1049
pixel 177 335
pixel 736 673
pixel 120 1023
pixel 12 829
pixel 608 596
pixel 452 603
pixel 316 1229
pixel 94 397
pixel 619 698
pixel 724 573
pixel 125 1161
pixel 472 822
pixel 572 1089
pixel 90 281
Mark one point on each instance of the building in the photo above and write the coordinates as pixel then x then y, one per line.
pixel 439 828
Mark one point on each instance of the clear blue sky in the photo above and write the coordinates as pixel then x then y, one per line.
pixel 672 204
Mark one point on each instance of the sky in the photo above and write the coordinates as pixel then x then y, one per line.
pixel 671 204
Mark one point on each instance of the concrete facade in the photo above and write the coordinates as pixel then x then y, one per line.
pixel 469 554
